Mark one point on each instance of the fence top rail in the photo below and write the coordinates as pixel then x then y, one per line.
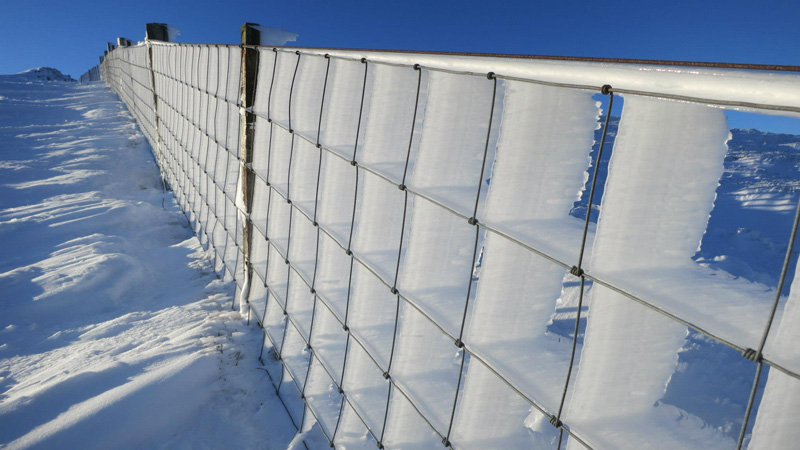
pixel 771 89
pixel 636 61
pixel 655 62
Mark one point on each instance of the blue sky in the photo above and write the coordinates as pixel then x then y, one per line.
pixel 71 35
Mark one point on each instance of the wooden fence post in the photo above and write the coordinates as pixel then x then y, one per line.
pixel 247 93
pixel 158 32
pixel 122 42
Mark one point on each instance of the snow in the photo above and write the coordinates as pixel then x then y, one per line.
pixel 114 331
pixel 275 36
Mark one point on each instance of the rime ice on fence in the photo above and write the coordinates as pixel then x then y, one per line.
pixel 412 238
pixel 542 156
pixel 661 186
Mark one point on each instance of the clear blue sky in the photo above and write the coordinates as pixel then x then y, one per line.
pixel 69 35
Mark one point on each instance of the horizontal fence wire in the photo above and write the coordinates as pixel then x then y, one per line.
pixel 183 143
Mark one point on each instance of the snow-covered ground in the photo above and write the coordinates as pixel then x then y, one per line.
pixel 114 330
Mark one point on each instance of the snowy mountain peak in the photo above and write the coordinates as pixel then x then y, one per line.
pixel 45 74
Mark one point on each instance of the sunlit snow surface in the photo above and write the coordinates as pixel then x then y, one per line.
pixel 114 331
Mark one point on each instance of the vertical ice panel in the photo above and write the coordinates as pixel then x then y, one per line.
pixel 453 139
pixel 301 303
pixel 438 262
pixel 284 74
pixel 329 341
pixel 352 433
pixel 379 220
pixel 342 105
pixel 391 115
pixel 662 179
pixel 266 67
pixel 406 429
pixel 426 365
pixel 372 314
pixel 307 97
pixel 492 415
pixel 366 388
pixel 543 152
pixel 333 273
pixel 777 420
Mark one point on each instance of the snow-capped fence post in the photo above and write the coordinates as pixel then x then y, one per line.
pixel 157 32
pixel 251 36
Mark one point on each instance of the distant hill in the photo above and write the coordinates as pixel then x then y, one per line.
pixel 42 74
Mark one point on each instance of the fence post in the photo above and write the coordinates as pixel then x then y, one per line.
pixel 247 95
pixel 156 31
pixel 122 42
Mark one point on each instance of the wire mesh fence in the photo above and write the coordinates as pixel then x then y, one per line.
pixel 92 74
pixel 409 241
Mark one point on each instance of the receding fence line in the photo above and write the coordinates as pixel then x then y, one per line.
pixel 180 135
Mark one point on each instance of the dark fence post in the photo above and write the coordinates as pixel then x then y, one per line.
pixel 247 93
pixel 122 42
pixel 156 32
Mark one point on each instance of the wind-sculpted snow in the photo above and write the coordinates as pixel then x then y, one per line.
pixel 114 332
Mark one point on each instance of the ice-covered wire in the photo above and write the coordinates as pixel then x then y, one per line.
pixel 577 270
pixel 757 355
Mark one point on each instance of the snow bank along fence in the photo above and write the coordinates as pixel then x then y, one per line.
pixel 399 226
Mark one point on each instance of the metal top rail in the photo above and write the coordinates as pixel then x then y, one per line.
pixel 636 61
pixel 746 87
